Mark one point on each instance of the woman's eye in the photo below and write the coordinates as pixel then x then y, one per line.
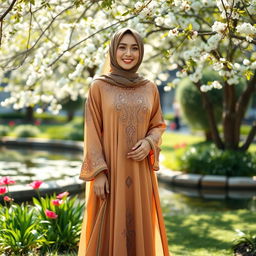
pixel 135 48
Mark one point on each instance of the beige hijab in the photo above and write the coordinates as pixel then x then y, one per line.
pixel 117 75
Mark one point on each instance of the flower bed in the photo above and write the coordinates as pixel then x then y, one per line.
pixel 49 224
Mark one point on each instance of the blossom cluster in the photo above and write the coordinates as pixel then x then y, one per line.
pixel 67 44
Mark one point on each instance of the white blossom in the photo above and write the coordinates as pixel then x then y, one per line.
pixel 219 27
pixel 216 85
pixel 246 28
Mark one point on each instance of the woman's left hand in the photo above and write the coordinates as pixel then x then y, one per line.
pixel 140 150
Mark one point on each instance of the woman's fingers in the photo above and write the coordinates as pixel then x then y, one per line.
pixel 102 193
pixel 107 187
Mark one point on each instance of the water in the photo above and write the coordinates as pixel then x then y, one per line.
pixel 25 165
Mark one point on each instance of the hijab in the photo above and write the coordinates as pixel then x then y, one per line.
pixel 117 75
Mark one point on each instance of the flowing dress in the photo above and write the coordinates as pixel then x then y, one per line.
pixel 129 221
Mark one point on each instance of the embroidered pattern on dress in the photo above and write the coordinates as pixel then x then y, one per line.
pixel 133 107
pixel 128 181
pixel 92 162
pixel 129 233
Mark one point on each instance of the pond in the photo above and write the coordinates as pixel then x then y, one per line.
pixel 25 165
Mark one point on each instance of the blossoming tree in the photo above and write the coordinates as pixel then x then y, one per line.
pixel 54 49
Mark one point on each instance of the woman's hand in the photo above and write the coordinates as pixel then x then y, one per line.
pixel 140 150
pixel 101 186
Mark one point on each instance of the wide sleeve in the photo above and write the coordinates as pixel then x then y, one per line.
pixel 93 157
pixel 156 128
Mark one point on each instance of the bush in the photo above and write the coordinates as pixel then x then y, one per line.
pixel 77 131
pixel 191 103
pixel 245 245
pixel 3 130
pixel 26 131
pixel 205 158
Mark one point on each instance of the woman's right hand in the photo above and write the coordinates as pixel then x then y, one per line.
pixel 101 186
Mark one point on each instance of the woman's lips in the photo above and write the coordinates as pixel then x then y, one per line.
pixel 127 61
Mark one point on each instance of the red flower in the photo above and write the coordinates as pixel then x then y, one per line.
pixel 37 122
pixel 57 202
pixel 7 181
pixel 50 214
pixel 8 199
pixel 176 146
pixel 3 190
pixel 61 195
pixel 36 184
pixel 172 126
pixel 11 123
pixel 183 145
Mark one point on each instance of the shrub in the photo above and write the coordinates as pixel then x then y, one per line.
pixel 26 131
pixel 3 130
pixel 245 245
pixel 76 132
pixel 205 158
pixel 191 103
pixel 190 100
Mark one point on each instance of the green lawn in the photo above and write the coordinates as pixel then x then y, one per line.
pixel 207 233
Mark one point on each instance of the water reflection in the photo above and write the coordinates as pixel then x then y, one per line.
pixel 26 165
pixel 175 199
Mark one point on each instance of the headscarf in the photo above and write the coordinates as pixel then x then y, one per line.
pixel 117 75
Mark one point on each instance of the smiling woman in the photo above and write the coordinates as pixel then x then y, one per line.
pixel 123 129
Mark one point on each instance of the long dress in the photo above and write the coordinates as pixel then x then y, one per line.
pixel 129 221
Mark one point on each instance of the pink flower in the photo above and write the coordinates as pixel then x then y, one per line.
pixel 172 126
pixel 8 199
pixel 37 122
pixel 61 195
pixel 36 184
pixel 3 190
pixel 50 214
pixel 7 181
pixel 11 123
pixel 183 145
pixel 176 146
pixel 57 202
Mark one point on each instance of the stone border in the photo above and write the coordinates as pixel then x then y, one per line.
pixel 74 185
pixel 206 181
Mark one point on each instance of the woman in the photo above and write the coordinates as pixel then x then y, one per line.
pixel 122 135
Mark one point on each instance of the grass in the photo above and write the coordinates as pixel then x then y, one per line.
pixel 209 233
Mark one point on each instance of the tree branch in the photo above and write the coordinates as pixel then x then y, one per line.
pixel 211 118
pixel 249 138
pixel 2 19
pixel 8 10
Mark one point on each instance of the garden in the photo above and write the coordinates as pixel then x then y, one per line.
pixel 200 53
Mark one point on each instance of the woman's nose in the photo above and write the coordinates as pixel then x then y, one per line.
pixel 128 52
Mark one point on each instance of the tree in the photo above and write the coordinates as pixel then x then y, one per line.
pixel 57 47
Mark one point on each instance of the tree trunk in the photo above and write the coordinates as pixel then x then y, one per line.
pixel 29 117
pixel 211 118
pixel 70 115
pixel 229 117
pixel 208 135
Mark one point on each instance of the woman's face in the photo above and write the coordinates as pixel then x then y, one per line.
pixel 127 54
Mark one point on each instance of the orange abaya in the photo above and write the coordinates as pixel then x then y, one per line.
pixel 129 221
